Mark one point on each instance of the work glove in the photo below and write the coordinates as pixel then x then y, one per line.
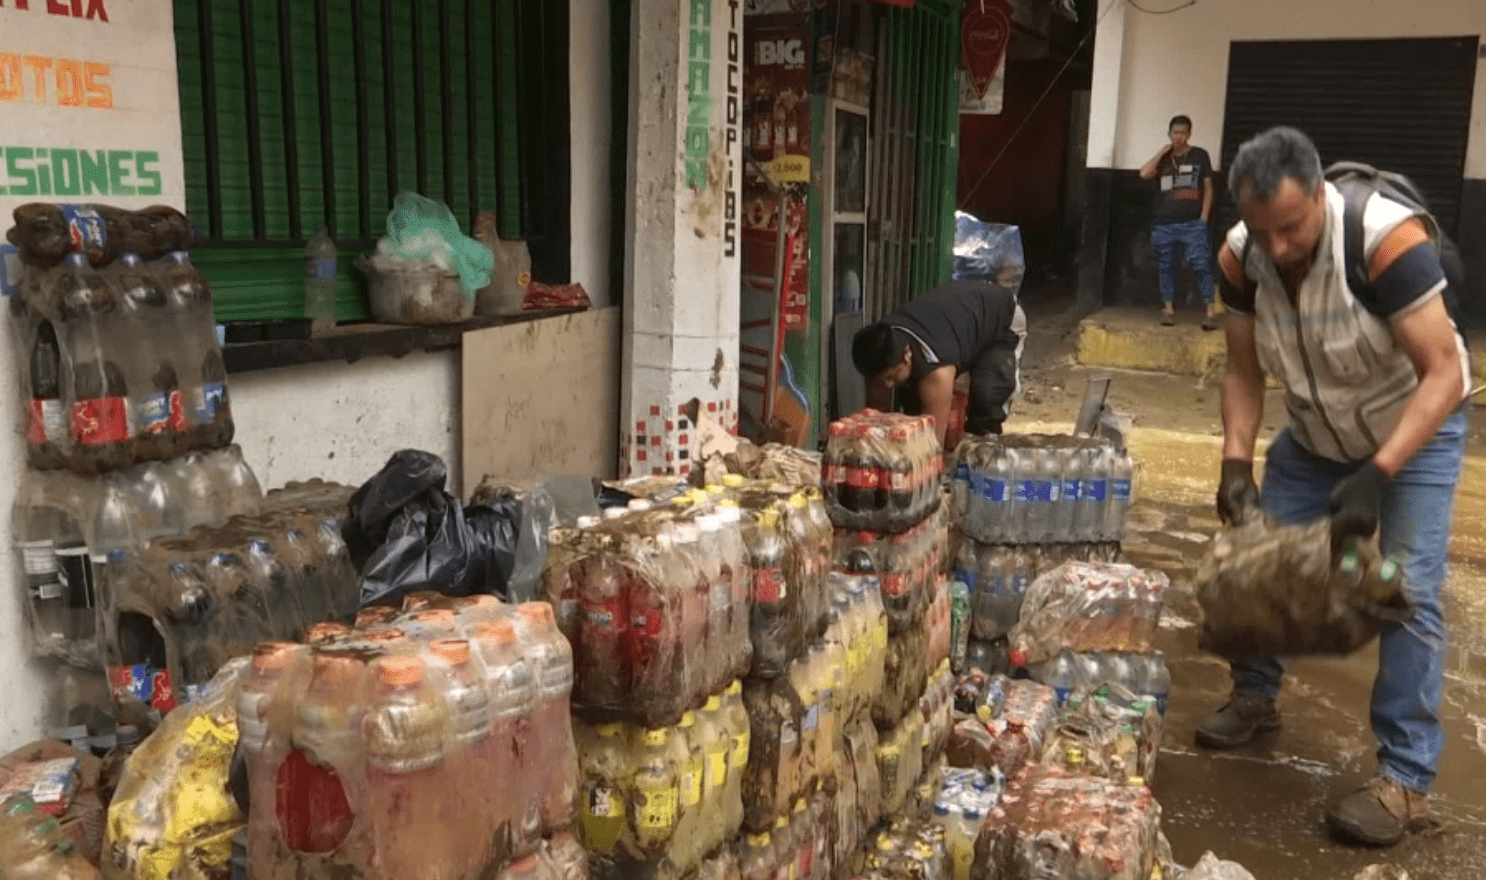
pixel 1237 492
pixel 1355 503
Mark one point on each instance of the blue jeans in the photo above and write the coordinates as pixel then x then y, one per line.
pixel 1415 532
pixel 1191 235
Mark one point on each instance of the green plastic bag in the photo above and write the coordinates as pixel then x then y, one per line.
pixel 421 230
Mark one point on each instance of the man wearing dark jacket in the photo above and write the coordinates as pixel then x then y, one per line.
pixel 973 327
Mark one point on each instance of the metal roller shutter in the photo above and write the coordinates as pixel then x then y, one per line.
pixel 1403 105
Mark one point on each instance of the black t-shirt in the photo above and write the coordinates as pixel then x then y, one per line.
pixel 1180 182
pixel 956 321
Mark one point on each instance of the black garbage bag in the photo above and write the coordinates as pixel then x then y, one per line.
pixel 405 533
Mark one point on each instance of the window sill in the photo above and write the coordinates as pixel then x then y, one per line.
pixel 352 342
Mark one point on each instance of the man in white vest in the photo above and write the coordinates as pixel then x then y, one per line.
pixel 1375 374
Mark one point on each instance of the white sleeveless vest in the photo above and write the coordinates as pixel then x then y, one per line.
pixel 1346 380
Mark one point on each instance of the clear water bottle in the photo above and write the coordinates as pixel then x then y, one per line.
pixel 1118 503
pixel 319 282
pixel 1093 490
pixel 160 510
pixel 1060 673
pixel 1065 511
pixel 1157 680
pixel 1003 512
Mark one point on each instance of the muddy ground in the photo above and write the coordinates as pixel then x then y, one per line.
pixel 1263 805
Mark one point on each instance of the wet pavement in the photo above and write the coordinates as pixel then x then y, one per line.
pixel 1263 805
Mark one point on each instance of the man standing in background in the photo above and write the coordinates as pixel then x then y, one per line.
pixel 1183 208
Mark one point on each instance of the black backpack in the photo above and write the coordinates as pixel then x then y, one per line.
pixel 1357 183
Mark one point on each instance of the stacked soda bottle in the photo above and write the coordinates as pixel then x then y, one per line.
pixel 120 364
pixel 1105 611
pixel 799 721
pixel 997 576
pixel 1002 723
pixel 1109 732
pixel 664 797
pixel 909 564
pixel 656 601
pixel 171 614
pixel 798 845
pixel 1056 822
pixel 910 847
pixel 434 743
pixel 881 471
pixel 966 797
pixel 1041 489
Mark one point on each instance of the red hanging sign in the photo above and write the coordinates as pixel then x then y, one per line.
pixel 985 29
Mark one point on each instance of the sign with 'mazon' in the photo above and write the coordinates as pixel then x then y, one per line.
pixel 89 98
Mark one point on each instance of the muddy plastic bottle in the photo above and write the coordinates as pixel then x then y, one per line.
pixel 775 633
pixel 719 650
pixel 694 664
pixel 833 467
pixel 604 623
pixel 513 699
pixel 567 856
pixel 689 753
pixel 735 572
pixel 1093 492
pixel 156 409
pixel 712 733
pixel 321 778
pixel 473 755
pixel 99 391
pixel 407 779
pixel 654 794
pixel 740 733
pixel 47 420
pixel 263 706
pixel 605 769
pixel 551 751
pixel 757 858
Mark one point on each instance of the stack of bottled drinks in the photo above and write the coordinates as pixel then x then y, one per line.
pixel 435 743
pixel 799 720
pixel 1087 623
pixel 173 613
pixel 908 564
pixel 1057 822
pixel 966 796
pixel 881 471
pixel 798 845
pixel 1041 489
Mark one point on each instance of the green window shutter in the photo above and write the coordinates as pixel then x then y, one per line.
pixel 376 97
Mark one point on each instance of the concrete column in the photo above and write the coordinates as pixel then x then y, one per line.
pixel 1098 180
pixel 682 254
pixel 1104 99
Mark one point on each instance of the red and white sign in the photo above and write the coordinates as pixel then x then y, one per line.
pixel 985 30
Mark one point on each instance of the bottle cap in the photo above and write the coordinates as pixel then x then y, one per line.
pixel 800 805
pixel 688 718
pixel 714 703
pixel 1137 781
pixel 757 840
pixel 455 652
pixel 536 612
pixel 321 632
pixel 435 616
pixel 655 737
pixel 610 730
pixel 337 670
pixel 402 671
pixel 272 656
pixel 732 481
pixel 735 688
pixel 781 822
pixel 501 632
pixel 480 600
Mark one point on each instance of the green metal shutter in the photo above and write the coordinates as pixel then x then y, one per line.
pixel 915 143
pixel 382 97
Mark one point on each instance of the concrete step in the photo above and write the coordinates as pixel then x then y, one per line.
pixel 1133 339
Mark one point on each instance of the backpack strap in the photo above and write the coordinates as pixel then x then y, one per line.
pixel 1356 194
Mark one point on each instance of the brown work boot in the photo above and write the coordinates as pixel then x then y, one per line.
pixel 1380 813
pixel 1240 720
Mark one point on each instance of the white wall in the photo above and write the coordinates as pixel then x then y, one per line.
pixel 105 87
pixel 593 193
pixel 1178 63
pixel 341 422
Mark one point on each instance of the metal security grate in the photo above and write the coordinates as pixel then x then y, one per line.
pixel 297 116
pixel 915 148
